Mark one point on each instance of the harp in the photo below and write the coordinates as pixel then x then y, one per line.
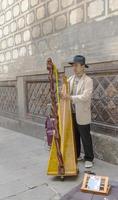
pixel 62 159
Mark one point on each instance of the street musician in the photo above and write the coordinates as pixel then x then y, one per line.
pixel 81 88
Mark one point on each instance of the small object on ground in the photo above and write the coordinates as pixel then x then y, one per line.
pixel 90 172
pixel 96 184
pixel 88 164
pixel 62 178
pixel 77 194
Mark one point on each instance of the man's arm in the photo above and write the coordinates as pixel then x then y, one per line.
pixel 87 93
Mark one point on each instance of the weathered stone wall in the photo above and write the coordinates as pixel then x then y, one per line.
pixel 33 30
pixel 27 27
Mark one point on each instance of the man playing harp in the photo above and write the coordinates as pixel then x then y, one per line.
pixel 81 87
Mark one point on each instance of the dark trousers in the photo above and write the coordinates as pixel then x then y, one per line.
pixel 82 133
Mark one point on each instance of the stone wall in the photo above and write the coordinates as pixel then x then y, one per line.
pixel 77 26
pixel 33 30
pixel 25 103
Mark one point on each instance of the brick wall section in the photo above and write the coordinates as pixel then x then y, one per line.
pixel 27 27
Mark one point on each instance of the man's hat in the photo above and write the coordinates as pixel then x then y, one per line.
pixel 79 59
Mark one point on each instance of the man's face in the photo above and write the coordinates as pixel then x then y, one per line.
pixel 78 68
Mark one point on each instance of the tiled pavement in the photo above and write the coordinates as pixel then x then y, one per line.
pixel 23 162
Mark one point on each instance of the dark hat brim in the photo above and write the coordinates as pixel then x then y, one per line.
pixel 86 66
pixel 71 63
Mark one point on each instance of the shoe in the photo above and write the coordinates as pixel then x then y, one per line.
pixel 88 164
pixel 80 158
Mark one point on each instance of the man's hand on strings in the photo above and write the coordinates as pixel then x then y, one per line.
pixel 65 96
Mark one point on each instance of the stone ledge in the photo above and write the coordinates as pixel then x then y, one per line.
pixel 24 126
pixel 105 147
pixel 105 129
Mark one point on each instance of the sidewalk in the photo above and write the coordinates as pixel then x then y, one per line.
pixel 23 162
